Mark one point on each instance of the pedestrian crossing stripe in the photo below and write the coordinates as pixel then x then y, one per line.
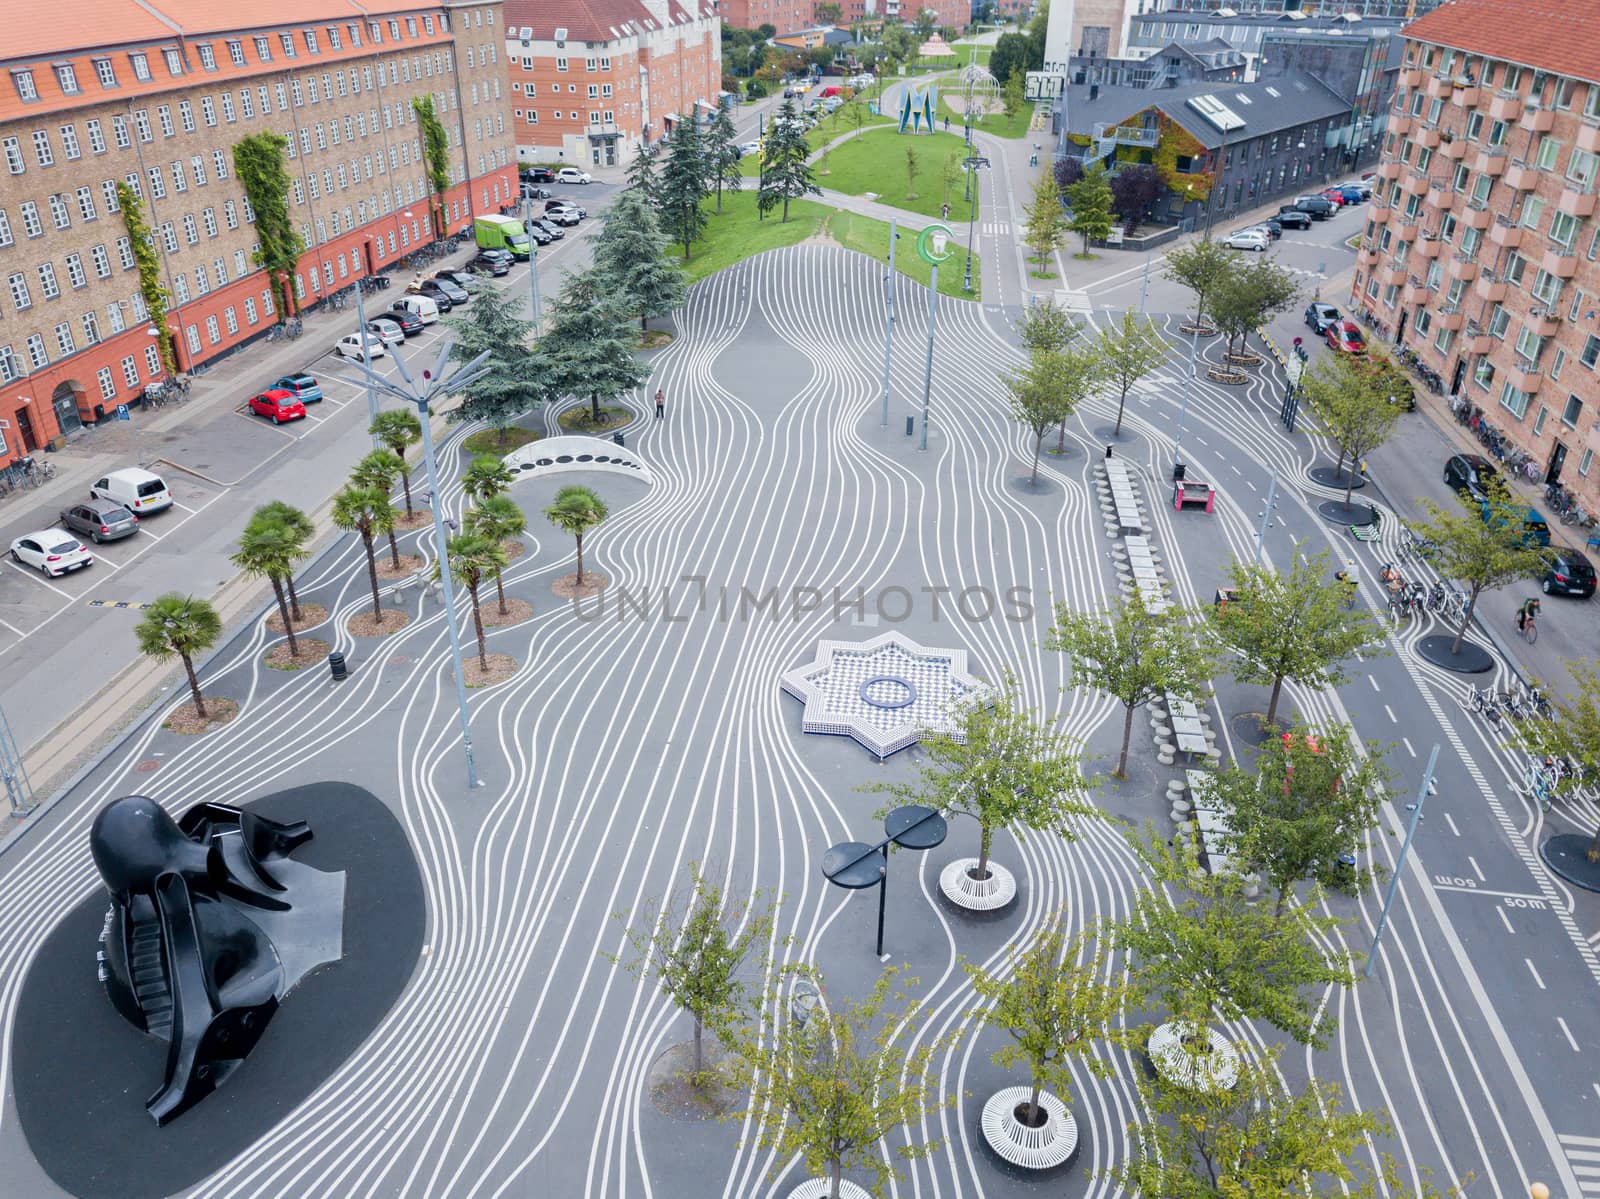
pixel 119 604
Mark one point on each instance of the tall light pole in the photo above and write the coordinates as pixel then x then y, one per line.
pixel 1183 409
pixel 1394 879
pixel 366 363
pixel 933 244
pixel 888 324
pixel 435 384
pixel 533 265
pixel 972 163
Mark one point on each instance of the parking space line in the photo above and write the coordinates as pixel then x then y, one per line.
pixel 38 577
pixel 13 628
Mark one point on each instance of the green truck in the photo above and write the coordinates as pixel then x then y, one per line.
pixel 502 233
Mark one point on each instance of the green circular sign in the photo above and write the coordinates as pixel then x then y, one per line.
pixel 925 244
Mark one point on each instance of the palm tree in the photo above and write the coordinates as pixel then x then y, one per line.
pixel 379 470
pixel 180 626
pixel 499 519
pixel 299 528
pixel 576 511
pixel 269 550
pixel 472 556
pixel 367 511
pixel 488 476
pixel 398 428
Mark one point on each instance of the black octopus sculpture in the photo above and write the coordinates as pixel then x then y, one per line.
pixel 188 956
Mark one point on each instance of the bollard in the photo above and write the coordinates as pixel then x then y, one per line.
pixel 911 425
pixel 336 666
pixel 1108 453
pixel 617 437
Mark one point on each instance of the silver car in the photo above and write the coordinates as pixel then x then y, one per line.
pixel 100 520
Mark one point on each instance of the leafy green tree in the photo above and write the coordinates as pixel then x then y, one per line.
pixel 498 518
pixel 1002 766
pixel 899 43
pixel 1211 953
pixel 1353 407
pixel 1249 296
pixel 1202 267
pixel 1292 626
pixel 1130 352
pixel 1046 222
pixel 590 342
pixel 1573 732
pixel 630 254
pixel 785 173
pixel 1254 1138
pixel 1053 999
pixel 1312 798
pixel 641 175
pixel 1009 56
pixel 949 171
pixel 1133 655
pixel 1046 327
pixel 1046 391
pixel 399 429
pixel 473 558
pixel 297 525
pixel 1090 198
pixel 577 510
pixel 1013 94
pixel 695 949
pixel 912 167
pixel 517 377
pixel 923 24
pixel 486 477
pixel 722 154
pixel 365 511
pixel 269 551
pixel 828 1088
pixel 1481 545
pixel 179 626
pixel 683 185
pixel 378 471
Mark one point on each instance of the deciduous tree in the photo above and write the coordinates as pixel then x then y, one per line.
pixel 1046 327
pixel 1573 732
pixel 1201 266
pixel 1130 351
pixel 1353 407
pixel 1047 390
pixel 1090 200
pixel 1133 655
pixel 1133 190
pixel 1046 222
pixel 1249 296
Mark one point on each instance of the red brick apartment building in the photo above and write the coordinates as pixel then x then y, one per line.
pixel 154 94
pixel 1482 243
pixel 791 16
pixel 591 79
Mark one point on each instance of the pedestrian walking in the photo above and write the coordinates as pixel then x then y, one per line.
pixel 661 404
pixel 945 213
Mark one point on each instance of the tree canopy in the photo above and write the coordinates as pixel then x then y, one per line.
pixel 1130 352
pixel 1353 406
pixel 590 342
pixel 517 377
pixel 1246 297
pixel 629 254
pixel 1090 200
pixel 1202 267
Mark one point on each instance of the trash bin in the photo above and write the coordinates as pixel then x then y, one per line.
pixel 617 437
pixel 336 665
pixel 911 425
pixel 1178 471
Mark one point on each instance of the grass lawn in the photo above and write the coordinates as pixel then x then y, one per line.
pixel 876 162
pixel 964 52
pixel 825 132
pixel 737 235
pixel 488 441
pixel 580 418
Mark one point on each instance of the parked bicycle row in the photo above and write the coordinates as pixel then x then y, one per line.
pixel 1519 702
pixel 25 472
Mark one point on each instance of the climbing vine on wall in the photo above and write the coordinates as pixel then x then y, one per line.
pixel 435 146
pixel 259 162
pixel 1177 142
pixel 149 265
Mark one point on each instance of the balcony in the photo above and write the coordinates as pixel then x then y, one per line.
pixel 1408 228
pixel 1440 194
pixel 1543 322
pixel 1577 199
pixel 1560 262
pixel 1426 136
pixel 1505 107
pixel 1439 85
pixel 1489 289
pixel 1504 234
pixel 1491 162
pixel 1537 120
pixel 1520 177
pixel 1525 376
pixel 1451 319
pixel 1466 97
pixel 1393 273
pixel 1455 149
pixel 1401 124
pixel 1411 78
pixel 1428 247
pixel 1390 169
pixel 1478 343
pixel 1588 139
pixel 1462 266
pixel 1416 291
pixel 1476 217
pixel 1381 212
pixel 1367 255
pixel 1415 185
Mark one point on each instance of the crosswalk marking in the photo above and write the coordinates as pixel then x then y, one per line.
pixel 1583 1159
pixel 996 229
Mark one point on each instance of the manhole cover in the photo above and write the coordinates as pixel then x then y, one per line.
pixel 399 660
pixel 148 766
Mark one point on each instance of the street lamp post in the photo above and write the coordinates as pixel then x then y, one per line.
pixel 1183 409
pixel 933 244
pixel 366 362
pixel 533 266
pixel 434 385
pixel 972 163
pixel 1423 792
pixel 888 324
pixel 855 865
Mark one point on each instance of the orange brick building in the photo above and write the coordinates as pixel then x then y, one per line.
pixel 591 79
pixel 790 16
pixel 1482 241
pixel 155 94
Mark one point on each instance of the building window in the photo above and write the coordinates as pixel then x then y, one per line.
pixel 130 371
pixel 125 253
pixel 236 52
pixel 91 329
pixel 311 42
pixel 169 237
pixel 47 281
pixel 101 260
pixel 67 78
pixel 286 40
pixel 191 231
pixel 1573 410
pixel 31 224
pixel 174 62
pixel 38 356
pixel 213 334
pixel 227 108
pixel 97 138
pixel 64 343
pixel 41 147
pixel 141 67
pixel 5 229
pixel 152 361
pixel 26 88
pixel 69 142
pixel 141 122
pixel 58 212
pixel 191 334
pixel 108 385
pixel 20 298
pixel 75 272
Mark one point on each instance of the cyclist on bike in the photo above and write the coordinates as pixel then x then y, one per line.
pixel 1528 611
pixel 1348 576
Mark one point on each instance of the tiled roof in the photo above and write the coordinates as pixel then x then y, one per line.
pixel 1559 36
pixel 595 20
pixel 1275 105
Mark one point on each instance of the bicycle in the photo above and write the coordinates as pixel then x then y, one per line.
pixel 1529 630
pixel 293 327
pixel 41 470
pixel 1484 703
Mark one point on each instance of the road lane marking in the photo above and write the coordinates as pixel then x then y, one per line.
pixel 13 628
pixel 1535 974
pixel 1571 1040
pixel 1505 920
pixel 1448 819
pixel 1374 683
pixel 1407 743
pixel 1466 886
pixel 1392 717
pixel 1476 869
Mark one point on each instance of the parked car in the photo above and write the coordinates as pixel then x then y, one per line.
pixel 1319 207
pixel 749 148
pixel 561 202
pixel 1348 193
pixel 1535 529
pixel 551 230
pixel 1291 217
pixel 53 552
pixel 1247 239
pixel 349 346
pixel 560 216
pixel 410 323
pixel 303 387
pixel 1273 226
pixel 572 175
pixel 491 263
pixel 386 331
pixel 279 406
pixel 454 292
pixel 1266 229
pixel 1334 196
pixel 1346 337
pixel 1570 573
pixel 539 175
pixel 99 520
pixel 420 306
pixel 1319 316
pixel 136 489
pixel 428 289
pixel 465 280
pixel 1470 474
pixel 537 232
pixel 536 191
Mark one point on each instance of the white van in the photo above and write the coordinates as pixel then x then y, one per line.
pixel 421 307
pixel 137 490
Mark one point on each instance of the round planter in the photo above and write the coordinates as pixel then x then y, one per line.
pixel 1227 375
pixel 817 1188
pixel 1052 1144
pixel 1248 358
pixel 1215 1070
pixel 977 895
pixel 1203 329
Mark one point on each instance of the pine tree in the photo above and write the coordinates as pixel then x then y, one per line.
pixel 629 254
pixel 642 174
pixel 590 342
pixel 786 174
pixel 683 185
pixel 722 154
pixel 517 378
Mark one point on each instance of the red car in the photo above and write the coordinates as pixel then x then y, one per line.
pixel 1345 337
pixel 278 405
pixel 1336 195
